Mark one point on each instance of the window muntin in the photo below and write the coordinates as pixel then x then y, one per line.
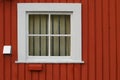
pixel 49 35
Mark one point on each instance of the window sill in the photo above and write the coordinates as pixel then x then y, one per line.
pixel 50 61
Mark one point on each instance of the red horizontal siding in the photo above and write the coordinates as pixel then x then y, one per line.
pixel 100 44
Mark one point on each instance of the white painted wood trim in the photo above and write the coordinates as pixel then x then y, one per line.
pixel 76 33
pixel 50 61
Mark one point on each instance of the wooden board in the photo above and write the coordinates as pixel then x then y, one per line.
pixel 7 38
pixel 92 41
pixel 106 38
pixel 118 37
pixel 1 40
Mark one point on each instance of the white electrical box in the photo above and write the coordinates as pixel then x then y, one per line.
pixel 7 49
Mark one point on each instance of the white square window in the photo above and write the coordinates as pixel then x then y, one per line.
pixel 49 33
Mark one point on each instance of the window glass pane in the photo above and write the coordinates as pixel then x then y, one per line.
pixel 38 46
pixel 38 24
pixel 60 46
pixel 60 24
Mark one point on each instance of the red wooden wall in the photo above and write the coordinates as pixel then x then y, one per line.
pixel 101 44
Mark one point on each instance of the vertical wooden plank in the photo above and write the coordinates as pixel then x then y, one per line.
pixel 21 72
pixel 7 33
pixel 7 67
pixel 63 72
pixel 85 41
pixel 112 40
pixel 77 72
pixel 14 72
pixel 118 37
pixel 35 75
pixel 91 40
pixel 49 71
pixel 42 74
pixel 70 71
pixel 106 40
pixel 1 40
pixel 98 24
pixel 28 75
pixel 56 72
pixel 7 22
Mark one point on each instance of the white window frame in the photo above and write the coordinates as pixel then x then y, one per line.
pixel 76 33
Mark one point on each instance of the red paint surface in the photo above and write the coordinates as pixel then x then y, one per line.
pixel 37 67
pixel 100 44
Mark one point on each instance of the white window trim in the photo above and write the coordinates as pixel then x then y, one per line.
pixel 76 34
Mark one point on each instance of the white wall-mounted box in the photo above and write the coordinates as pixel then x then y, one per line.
pixel 7 49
